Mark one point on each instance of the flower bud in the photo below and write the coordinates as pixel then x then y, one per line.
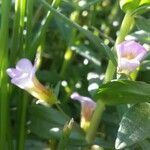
pixel 87 109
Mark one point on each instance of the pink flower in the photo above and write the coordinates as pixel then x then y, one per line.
pixel 24 77
pixel 129 53
pixel 87 109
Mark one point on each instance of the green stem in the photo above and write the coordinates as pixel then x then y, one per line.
pixel 22 26
pixel 15 36
pixel 29 23
pixel 124 30
pixel 64 139
pixel 100 107
pixel 4 110
pixel 21 122
pixel 4 100
pixel 69 53
pixel 126 26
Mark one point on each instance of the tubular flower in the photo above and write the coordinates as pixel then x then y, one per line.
pixel 24 77
pixel 87 109
pixel 129 53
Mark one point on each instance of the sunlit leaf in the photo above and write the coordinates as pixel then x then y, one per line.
pixel 143 23
pixel 124 92
pixel 87 53
pixel 134 126
pixel 140 36
pixel 131 5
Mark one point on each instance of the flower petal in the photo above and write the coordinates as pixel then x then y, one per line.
pixel 13 72
pixel 24 65
pixel 82 99
pixel 87 109
pixel 86 102
pixel 127 66
pixel 131 48
pixel 24 81
pixel 130 53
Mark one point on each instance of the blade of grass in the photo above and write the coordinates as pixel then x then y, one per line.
pixel 15 36
pixel 4 101
pixel 22 25
pixel 26 6
pixel 18 28
pixel 22 109
pixel 42 30
pixel 30 4
pixel 94 39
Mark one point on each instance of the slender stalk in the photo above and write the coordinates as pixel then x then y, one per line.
pixel 22 25
pixel 64 139
pixel 4 101
pixel 100 107
pixel 21 122
pixel 126 26
pixel 43 27
pixel 23 44
pixel 29 23
pixel 4 110
pixel 15 36
pixel 124 30
pixel 69 53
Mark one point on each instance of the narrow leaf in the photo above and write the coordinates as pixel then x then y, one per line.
pixel 94 39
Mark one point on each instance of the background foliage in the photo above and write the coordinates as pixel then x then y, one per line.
pixel 71 40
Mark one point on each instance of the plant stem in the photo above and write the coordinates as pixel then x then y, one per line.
pixel 22 46
pixel 124 30
pixel 64 139
pixel 126 26
pixel 15 36
pixel 100 107
pixel 22 26
pixel 69 53
pixel 22 120
pixel 30 4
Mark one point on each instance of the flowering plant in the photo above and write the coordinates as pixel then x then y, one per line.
pixel 87 109
pixel 96 47
pixel 24 77
pixel 129 53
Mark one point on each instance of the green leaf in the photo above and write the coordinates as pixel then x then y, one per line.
pixel 94 39
pixel 140 10
pixel 141 36
pixel 32 144
pixel 48 123
pixel 131 5
pixel 78 6
pixel 143 23
pixel 124 92
pixel 86 53
pixel 134 126
pixel 145 145
pixel 145 65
